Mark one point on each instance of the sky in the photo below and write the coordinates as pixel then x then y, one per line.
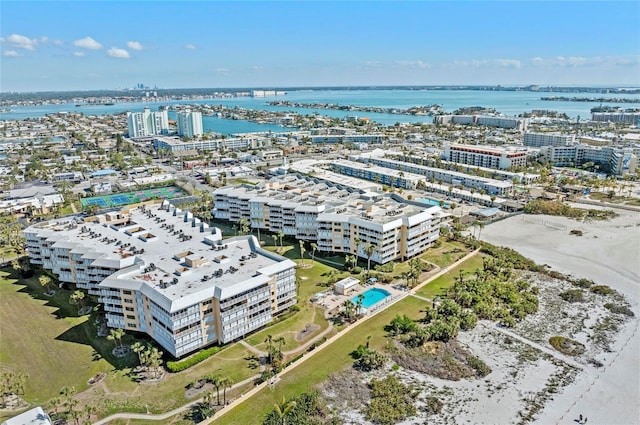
pixel 90 45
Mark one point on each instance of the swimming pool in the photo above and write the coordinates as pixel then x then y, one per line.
pixel 430 201
pixel 371 297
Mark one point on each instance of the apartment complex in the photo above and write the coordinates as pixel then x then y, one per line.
pixel 189 123
pixel 338 220
pixel 159 270
pixel 392 167
pixel 620 117
pixel 174 144
pixel 483 120
pixel 147 123
pixel 538 140
pixel 616 161
pixel 485 156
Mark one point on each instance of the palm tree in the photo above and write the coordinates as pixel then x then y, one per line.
pixel 302 250
pixel 284 408
pixel 116 335
pixel 216 381
pixel 275 239
pixel 77 298
pixel 314 246
pixel 139 349
pixel 369 249
pixel 244 226
pixel 45 281
pixel 281 236
pixel 359 302
pixel 226 382
pixel 269 341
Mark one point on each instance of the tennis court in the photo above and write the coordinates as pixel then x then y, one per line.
pixel 127 198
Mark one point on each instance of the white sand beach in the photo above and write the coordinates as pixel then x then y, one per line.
pixel 609 254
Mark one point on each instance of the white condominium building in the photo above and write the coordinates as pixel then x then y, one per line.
pixel 189 123
pixel 616 161
pixel 147 123
pixel 621 117
pixel 427 174
pixel 538 140
pixel 485 156
pixel 159 270
pixel 338 220
pixel 485 120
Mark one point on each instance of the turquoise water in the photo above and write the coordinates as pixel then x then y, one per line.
pixel 506 102
pixel 430 201
pixel 371 297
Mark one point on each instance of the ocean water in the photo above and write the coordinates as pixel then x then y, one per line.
pixel 505 102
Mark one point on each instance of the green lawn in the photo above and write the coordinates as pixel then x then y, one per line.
pixel 440 285
pixel 316 370
pixel 44 341
pixel 447 253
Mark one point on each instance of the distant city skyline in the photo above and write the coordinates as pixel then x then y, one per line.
pixel 59 46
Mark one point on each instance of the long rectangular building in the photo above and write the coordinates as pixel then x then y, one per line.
pixel 485 156
pixel 455 178
pixel 338 220
pixel 159 270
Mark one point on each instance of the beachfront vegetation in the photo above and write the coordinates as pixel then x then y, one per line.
pixel 304 409
pixel 566 346
pixel 558 208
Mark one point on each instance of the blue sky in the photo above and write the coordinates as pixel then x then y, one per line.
pixel 75 45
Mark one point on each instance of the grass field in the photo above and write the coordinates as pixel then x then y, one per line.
pixel 43 340
pixel 316 370
pixel 440 285
pixel 447 253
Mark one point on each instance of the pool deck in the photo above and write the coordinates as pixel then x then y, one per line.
pixel 331 301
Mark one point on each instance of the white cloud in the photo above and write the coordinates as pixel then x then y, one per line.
pixel 134 45
pixel 223 71
pixel 189 46
pixel 257 68
pixel 57 42
pixel 115 52
pixel 414 64
pixel 88 43
pixel 11 54
pixel 79 54
pixel 21 42
pixel 508 63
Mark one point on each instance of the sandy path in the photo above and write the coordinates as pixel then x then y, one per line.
pixel 609 254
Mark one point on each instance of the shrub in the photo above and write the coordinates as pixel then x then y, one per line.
pixel 619 309
pixel 295 307
pixel 601 290
pixel 433 405
pixel 576 232
pixel 180 365
pixel 584 283
pixel 573 296
pixel 479 366
pixel 357 270
pixel 566 346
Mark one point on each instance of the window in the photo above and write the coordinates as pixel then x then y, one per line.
pixel 129 308
pixel 131 316
pixel 125 292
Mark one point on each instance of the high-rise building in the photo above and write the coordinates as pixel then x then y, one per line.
pixel 189 123
pixel 147 123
